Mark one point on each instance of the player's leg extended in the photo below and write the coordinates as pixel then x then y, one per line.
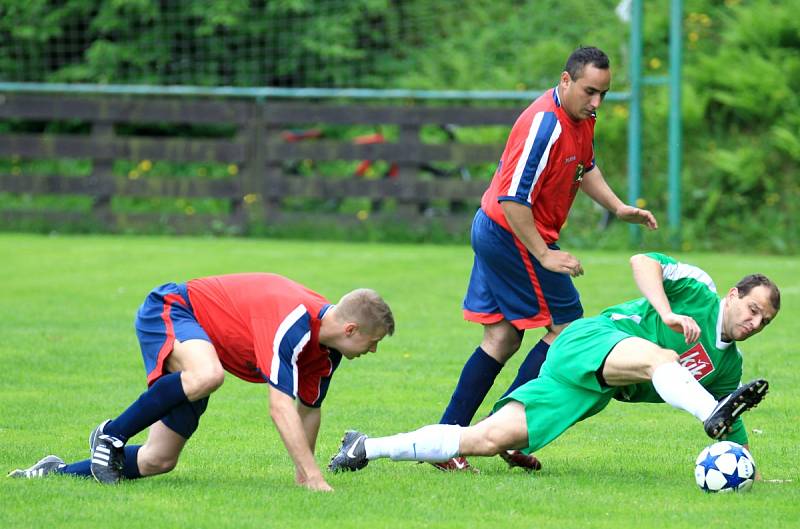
pixel 504 430
pixel 435 442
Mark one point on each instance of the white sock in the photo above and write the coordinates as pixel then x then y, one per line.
pixel 437 442
pixel 678 387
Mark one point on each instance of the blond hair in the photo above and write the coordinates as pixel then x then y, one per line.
pixel 367 308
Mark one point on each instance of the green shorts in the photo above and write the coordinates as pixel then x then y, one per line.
pixel 567 390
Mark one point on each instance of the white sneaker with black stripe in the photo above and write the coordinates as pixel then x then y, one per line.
pixel 43 467
pixel 107 455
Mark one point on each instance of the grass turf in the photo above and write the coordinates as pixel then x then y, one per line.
pixel 70 359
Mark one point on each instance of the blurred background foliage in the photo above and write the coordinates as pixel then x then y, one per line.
pixel 740 102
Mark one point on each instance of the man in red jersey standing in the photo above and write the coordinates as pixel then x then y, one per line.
pixel 520 278
pixel 262 328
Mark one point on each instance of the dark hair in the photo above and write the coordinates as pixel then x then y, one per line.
pixel 749 282
pixel 583 56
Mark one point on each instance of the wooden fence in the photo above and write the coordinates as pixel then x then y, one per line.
pixel 271 177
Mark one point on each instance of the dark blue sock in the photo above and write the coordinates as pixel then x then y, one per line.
pixel 530 367
pixel 83 468
pixel 152 405
pixel 475 382
pixel 131 468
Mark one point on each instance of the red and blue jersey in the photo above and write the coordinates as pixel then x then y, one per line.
pixel 545 158
pixel 265 328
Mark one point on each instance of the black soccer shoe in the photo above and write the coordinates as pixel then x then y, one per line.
pixel 352 455
pixel 46 465
pixel 728 409
pixel 108 456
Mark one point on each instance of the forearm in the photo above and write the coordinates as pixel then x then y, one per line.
pixel 292 432
pixel 594 185
pixel 522 224
pixel 648 277
pixel 310 418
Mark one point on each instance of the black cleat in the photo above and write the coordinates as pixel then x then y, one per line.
pixel 108 456
pixel 46 465
pixel 352 455
pixel 729 408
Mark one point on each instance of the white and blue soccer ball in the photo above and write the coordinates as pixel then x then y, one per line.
pixel 725 467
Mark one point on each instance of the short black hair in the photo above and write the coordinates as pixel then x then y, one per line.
pixel 584 55
pixel 749 282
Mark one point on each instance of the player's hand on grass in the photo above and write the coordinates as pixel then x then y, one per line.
pixel 684 325
pixel 637 216
pixel 315 482
pixel 562 263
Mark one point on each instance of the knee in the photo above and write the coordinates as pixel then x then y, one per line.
pixel 202 382
pixel 153 465
pixel 494 442
pixel 502 343
pixel 660 357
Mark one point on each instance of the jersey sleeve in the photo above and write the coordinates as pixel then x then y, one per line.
pixel 277 346
pixel 527 163
pixel 316 379
pixel 682 278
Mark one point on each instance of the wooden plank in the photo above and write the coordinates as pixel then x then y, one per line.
pixel 129 109
pixel 326 150
pixel 124 222
pixel 456 224
pixel 131 148
pixel 414 190
pixel 280 113
pixel 141 187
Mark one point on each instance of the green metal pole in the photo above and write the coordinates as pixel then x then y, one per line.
pixel 675 45
pixel 635 117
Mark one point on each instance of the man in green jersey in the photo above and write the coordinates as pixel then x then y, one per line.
pixel 674 345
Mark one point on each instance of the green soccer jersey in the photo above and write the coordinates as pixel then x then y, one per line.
pixel 716 364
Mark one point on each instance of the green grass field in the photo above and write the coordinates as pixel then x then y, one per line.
pixel 70 359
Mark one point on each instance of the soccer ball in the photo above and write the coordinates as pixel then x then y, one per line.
pixel 724 467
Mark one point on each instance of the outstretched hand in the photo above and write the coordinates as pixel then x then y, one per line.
pixel 637 216
pixel 684 325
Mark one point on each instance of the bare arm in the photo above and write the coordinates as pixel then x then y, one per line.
pixel 310 418
pixel 595 186
pixel 521 221
pixel 648 277
pixel 292 430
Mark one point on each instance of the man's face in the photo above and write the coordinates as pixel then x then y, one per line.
pixel 357 343
pixel 747 315
pixel 583 96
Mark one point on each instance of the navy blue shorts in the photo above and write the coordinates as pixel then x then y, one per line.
pixel 507 282
pixel 166 315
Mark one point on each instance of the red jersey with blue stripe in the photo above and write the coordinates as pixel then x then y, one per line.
pixel 265 328
pixel 545 158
